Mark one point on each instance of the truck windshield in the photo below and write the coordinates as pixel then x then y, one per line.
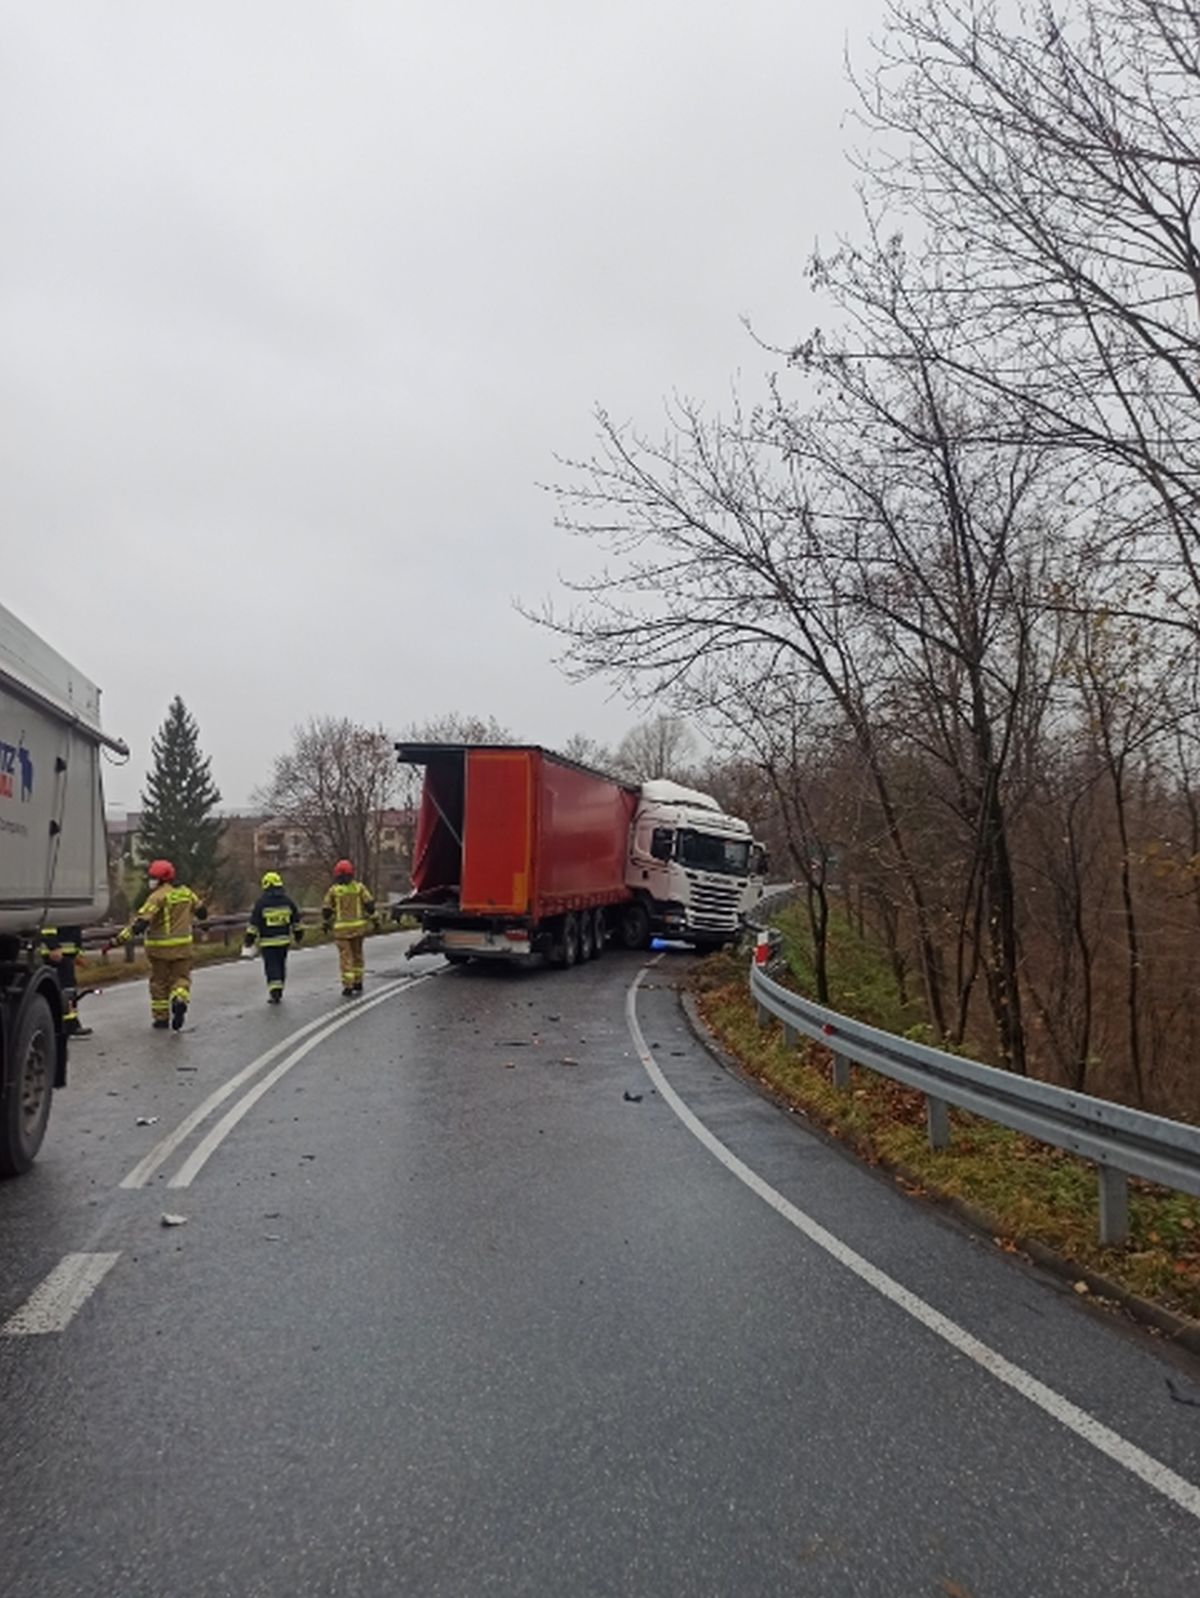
pixel 709 853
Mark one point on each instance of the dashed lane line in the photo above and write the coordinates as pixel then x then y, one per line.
pixel 1160 1477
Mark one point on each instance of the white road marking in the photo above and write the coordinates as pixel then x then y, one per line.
pixel 1126 1454
pixel 165 1147
pixel 52 1306
pixel 204 1150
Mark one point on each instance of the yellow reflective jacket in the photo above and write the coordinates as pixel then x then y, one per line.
pixel 350 904
pixel 169 911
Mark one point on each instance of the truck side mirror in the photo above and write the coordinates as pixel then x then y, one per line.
pixel 661 843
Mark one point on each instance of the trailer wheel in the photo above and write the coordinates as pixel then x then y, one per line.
pixel 25 1106
pixel 599 933
pixel 570 938
pixel 587 935
pixel 635 926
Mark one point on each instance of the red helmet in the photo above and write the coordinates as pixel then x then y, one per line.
pixel 344 868
pixel 160 871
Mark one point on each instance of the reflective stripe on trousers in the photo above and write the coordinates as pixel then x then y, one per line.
pixel 350 959
pixel 170 978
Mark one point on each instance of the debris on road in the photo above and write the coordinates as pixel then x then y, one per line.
pixel 174 1220
pixel 146 1120
pixel 632 1098
pixel 1181 1397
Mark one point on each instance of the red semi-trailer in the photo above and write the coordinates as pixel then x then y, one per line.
pixel 518 852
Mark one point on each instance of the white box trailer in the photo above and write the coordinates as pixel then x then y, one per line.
pixel 53 866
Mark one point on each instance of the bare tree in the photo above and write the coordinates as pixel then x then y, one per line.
pixel 663 747
pixel 588 751
pixel 1050 154
pixel 723 556
pixel 334 784
pixel 455 728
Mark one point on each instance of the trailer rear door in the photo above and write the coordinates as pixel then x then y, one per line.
pixel 498 831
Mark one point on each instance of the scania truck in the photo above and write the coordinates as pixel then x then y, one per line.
pixel 521 852
pixel 53 867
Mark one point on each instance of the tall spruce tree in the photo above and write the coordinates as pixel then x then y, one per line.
pixel 178 801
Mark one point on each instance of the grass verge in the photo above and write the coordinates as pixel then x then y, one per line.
pixel 1029 1191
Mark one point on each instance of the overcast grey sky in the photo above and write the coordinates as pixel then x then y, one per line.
pixel 298 301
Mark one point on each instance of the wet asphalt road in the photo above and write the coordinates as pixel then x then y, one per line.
pixel 450 1315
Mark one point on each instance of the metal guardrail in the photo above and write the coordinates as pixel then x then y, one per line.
pixel 1122 1142
pixel 217 929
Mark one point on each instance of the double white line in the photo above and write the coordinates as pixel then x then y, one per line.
pixel 293 1051
pixel 53 1305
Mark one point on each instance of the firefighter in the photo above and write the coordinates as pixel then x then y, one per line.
pixel 347 909
pixel 164 923
pixel 274 922
pixel 61 947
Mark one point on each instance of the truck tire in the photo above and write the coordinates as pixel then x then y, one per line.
pixel 635 926
pixel 570 938
pixel 587 935
pixel 25 1106
pixel 599 933
pixel 458 958
pixel 556 947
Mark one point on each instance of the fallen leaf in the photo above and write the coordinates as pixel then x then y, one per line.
pixel 1082 1287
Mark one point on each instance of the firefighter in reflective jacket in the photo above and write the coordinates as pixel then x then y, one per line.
pixel 164 923
pixel 61 947
pixel 347 909
pixel 274 922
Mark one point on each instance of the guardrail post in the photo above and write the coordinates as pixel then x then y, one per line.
pixel 130 952
pixel 764 1015
pixel 791 1037
pixel 841 1071
pixel 1114 1205
pixel 937 1122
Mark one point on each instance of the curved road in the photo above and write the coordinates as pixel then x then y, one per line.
pixel 450 1314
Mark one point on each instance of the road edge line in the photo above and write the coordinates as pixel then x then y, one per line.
pixel 1165 1481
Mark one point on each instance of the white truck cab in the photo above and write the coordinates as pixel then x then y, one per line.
pixel 695 870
